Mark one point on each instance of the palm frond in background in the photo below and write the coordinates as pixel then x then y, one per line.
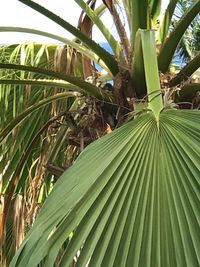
pixel 190 43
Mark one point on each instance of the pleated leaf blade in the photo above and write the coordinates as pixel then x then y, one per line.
pixel 131 199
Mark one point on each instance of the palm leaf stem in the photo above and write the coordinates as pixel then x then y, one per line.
pixel 170 44
pixel 186 71
pixel 83 50
pixel 88 87
pixel 50 83
pixel 102 53
pixel 164 27
pixel 151 71
pixel 102 27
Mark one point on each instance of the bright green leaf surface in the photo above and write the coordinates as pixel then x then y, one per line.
pixel 131 198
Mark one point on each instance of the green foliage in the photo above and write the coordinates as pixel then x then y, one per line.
pixel 131 198
pixel 189 44
pixel 138 204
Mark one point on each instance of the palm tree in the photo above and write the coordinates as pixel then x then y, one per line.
pixel 132 197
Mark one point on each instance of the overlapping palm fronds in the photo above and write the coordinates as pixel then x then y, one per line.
pixel 45 122
pixel 189 45
pixel 132 197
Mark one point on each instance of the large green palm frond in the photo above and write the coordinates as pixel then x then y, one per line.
pixel 137 206
pixel 131 198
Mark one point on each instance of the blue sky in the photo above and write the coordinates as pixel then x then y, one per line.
pixel 14 13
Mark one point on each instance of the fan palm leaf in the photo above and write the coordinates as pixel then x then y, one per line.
pixel 138 205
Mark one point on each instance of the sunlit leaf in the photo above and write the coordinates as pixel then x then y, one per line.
pixel 137 206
